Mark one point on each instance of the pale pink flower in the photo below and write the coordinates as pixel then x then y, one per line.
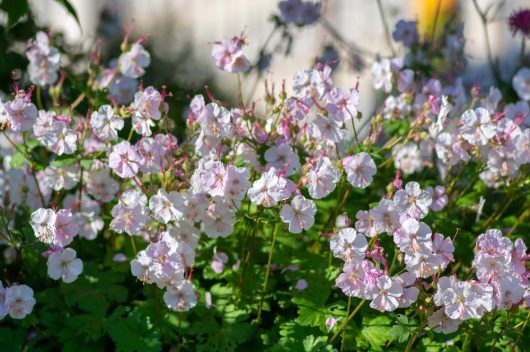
pixel 123 160
pixel 105 123
pixel 64 265
pixel 269 189
pixel 19 301
pixel 182 297
pixel 360 169
pixel 413 237
pixel 166 206
pixel 146 109
pixel 299 215
pixel 387 295
pixel 342 104
pixel 228 55
pixel 439 198
pixel 323 179
pixel 477 126
pixel 440 322
pixel 351 280
pixel 348 245
pixel 21 114
pixel 283 158
pixel 365 223
pixel 43 223
pixel 133 62
pixel 413 200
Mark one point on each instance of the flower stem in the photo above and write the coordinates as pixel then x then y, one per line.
pixel 343 326
pixel 344 332
pixel 267 273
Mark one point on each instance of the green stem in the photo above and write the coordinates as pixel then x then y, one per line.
pixel 267 273
pixel 343 326
pixel 133 245
pixel 344 332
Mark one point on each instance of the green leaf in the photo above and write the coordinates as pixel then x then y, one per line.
pixel 375 331
pixel 71 10
pixel 134 333
pixel 17 161
pixel 313 344
pixel 15 9
pixel 64 160
pixel 11 340
pixel 86 163
pixel 403 329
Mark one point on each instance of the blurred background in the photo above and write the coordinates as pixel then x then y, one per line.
pixel 179 34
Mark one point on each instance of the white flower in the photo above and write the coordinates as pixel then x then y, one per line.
pixel 123 160
pixel 166 206
pixel 130 214
pixel 385 216
pixel 283 158
pixel 413 237
pixel 382 75
pixel 477 126
pixel 43 223
pixel 269 189
pixel 236 183
pixel 388 291
pixel 132 63
pixel 218 220
pixel 181 298
pixel 105 123
pixel 60 139
pixel 327 129
pixel 19 300
pixel 521 83
pixel 64 265
pixel 322 180
pixel 413 200
pixel 21 113
pixel 407 158
pixel 300 214
pixel 360 169
pixel 348 245
pixel 440 322
pixel 62 177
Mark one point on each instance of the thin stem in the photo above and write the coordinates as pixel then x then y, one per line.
pixel 385 25
pixel 343 326
pixel 484 22
pixel 519 220
pixel 337 209
pixel 267 273
pixel 522 329
pixel 344 332
pixel 133 245
pixel 240 90
pixel 130 134
pixel 521 54
pixel 411 342
pixel 39 98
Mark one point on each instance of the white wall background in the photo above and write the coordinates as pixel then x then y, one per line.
pixel 167 22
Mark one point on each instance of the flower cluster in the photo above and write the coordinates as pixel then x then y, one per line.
pixel 43 61
pixel 116 168
pixel 444 131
